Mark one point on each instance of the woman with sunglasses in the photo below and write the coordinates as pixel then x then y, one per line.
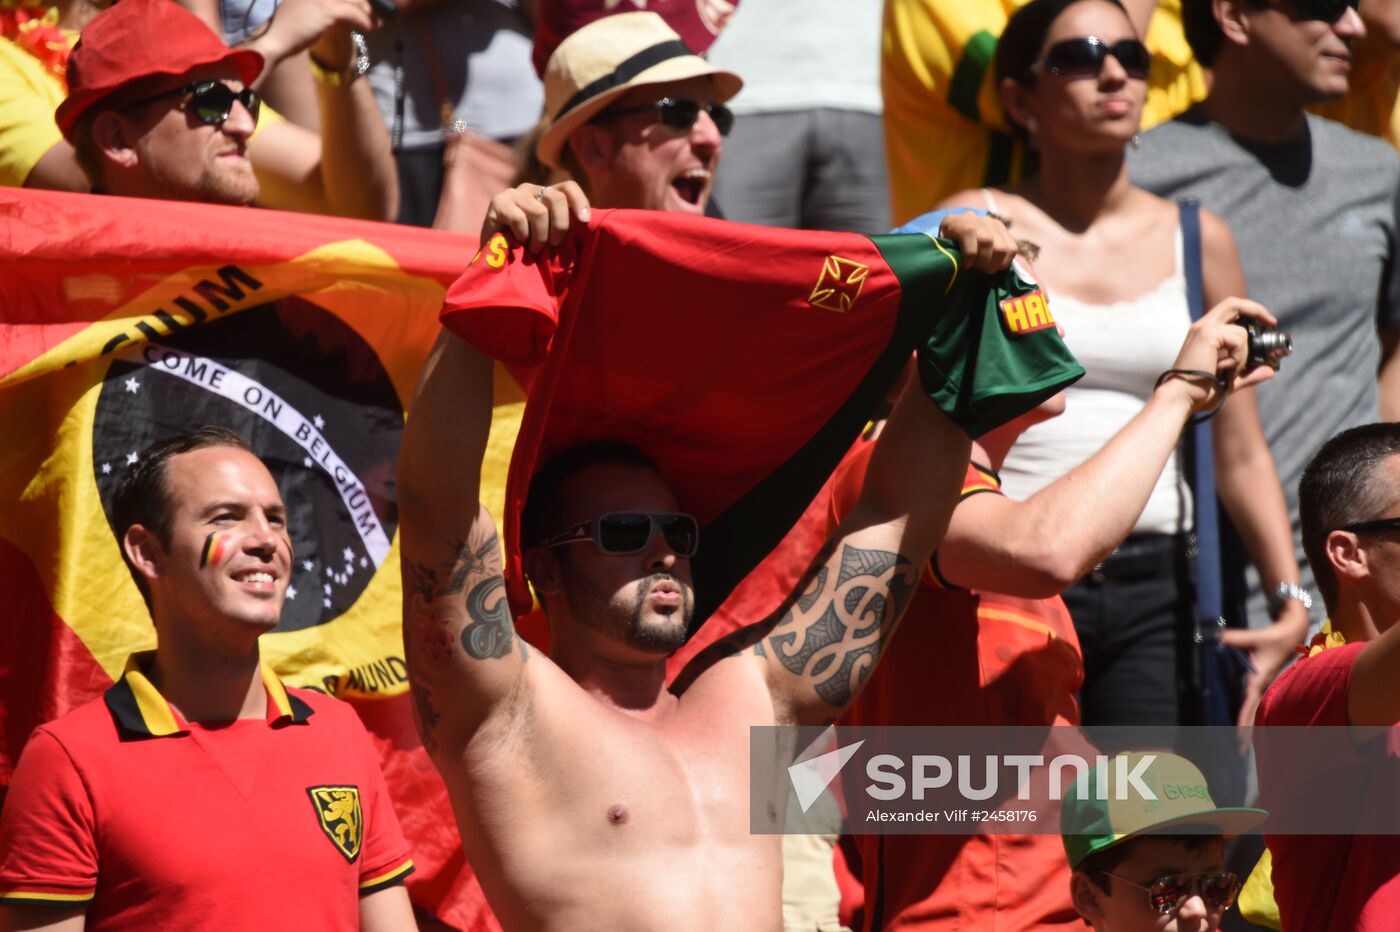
pixel 1073 77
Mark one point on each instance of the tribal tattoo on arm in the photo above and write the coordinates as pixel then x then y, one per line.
pixel 833 633
pixel 453 619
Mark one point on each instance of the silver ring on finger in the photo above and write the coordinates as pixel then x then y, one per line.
pixel 539 195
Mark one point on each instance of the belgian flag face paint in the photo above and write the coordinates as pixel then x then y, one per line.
pixel 217 546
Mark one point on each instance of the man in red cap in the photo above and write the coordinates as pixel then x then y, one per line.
pixel 158 106
pixel 168 118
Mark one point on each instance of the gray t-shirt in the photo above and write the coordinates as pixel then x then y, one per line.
pixel 1315 223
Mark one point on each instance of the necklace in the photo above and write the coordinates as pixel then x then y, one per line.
pixel 34 28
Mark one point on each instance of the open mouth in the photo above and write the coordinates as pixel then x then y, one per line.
pixel 259 579
pixel 690 187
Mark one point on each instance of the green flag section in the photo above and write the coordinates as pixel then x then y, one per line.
pixel 744 360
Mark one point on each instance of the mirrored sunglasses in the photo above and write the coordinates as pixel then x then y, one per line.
pixel 211 102
pixel 1084 58
pixel 627 532
pixel 679 113
pixel 1165 895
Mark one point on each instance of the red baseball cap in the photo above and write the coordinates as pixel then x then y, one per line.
pixel 136 39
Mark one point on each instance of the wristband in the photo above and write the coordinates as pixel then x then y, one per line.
pixel 358 65
pixel 1286 591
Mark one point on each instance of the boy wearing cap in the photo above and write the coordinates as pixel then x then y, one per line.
pixel 1153 861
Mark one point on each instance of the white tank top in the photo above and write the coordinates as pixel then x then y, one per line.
pixel 1123 347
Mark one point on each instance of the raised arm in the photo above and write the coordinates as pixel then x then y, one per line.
pixel 823 644
pixel 465 661
pixel 348 169
pixel 1036 548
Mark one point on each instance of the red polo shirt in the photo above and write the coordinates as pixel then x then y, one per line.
pixel 153 822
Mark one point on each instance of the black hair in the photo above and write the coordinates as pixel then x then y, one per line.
pixel 1343 484
pixel 1023 39
pixel 1203 32
pixel 1099 864
pixel 545 499
pixel 140 496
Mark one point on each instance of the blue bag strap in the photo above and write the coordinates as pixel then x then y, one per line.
pixel 1210 597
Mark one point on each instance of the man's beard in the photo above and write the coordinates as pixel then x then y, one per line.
pixel 624 621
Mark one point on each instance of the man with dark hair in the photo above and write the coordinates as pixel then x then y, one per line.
pixel 587 793
pixel 1252 154
pixel 1350 503
pixel 1141 865
pixel 143 809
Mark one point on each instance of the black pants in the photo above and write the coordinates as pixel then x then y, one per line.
pixel 1132 614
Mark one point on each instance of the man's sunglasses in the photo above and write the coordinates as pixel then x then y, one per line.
pixel 1084 58
pixel 1379 524
pixel 210 101
pixel 626 532
pixel 1217 889
pixel 679 113
pixel 1326 11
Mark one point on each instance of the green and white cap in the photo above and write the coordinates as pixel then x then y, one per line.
pixel 1115 809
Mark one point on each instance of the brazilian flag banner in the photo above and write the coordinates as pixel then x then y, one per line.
pixel 126 321
pixel 744 360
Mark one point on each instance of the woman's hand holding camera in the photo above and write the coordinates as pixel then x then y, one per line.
pixel 1217 345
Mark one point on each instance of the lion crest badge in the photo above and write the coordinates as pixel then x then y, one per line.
pixel 338 810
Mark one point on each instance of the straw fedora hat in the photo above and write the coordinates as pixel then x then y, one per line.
pixel 607 58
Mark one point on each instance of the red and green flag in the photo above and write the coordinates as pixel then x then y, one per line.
pixel 744 360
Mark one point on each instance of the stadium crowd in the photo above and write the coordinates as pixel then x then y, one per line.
pixel 1041 526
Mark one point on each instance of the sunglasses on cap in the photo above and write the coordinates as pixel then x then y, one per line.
pixel 210 101
pixel 679 113
pixel 1165 895
pixel 1326 11
pixel 626 532
pixel 1084 58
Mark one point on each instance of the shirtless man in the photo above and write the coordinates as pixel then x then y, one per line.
pixel 588 795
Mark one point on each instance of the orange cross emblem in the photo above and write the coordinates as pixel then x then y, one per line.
pixel 839 285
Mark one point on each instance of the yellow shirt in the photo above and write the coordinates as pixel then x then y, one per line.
pixel 944 129
pixel 29 94
pixel 1371 103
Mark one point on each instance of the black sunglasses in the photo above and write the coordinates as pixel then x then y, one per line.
pixel 627 532
pixel 1326 11
pixel 1084 58
pixel 679 113
pixel 210 101
pixel 1379 524
pixel 1217 889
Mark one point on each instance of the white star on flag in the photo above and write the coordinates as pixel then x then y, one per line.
pixel 132 385
pixel 306 461
pixel 329 571
pixel 349 570
pixel 308 565
pixel 348 554
pixel 328 588
pixel 319 421
pixel 364 561
pixel 106 469
pixel 131 457
pixel 291 592
pixel 326 603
